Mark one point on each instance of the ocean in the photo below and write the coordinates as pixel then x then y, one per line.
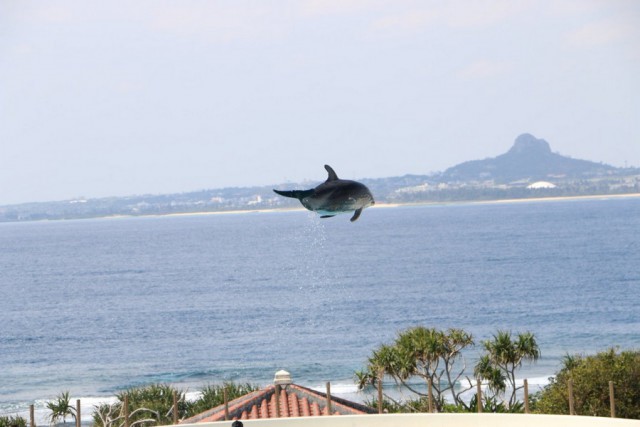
pixel 96 306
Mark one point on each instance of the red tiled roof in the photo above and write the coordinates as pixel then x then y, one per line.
pixel 295 401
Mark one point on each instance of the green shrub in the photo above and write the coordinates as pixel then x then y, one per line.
pixel 12 421
pixel 490 404
pixel 153 405
pixel 148 406
pixel 213 395
pixel 591 376
pixel 425 354
pixel 392 407
pixel 61 408
pixel 503 355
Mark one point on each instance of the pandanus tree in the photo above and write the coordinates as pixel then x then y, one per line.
pixel 503 355
pixel 147 406
pixel 425 353
pixel 153 404
pixel 61 408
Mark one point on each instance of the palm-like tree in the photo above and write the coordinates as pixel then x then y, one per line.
pixel 61 408
pixel 425 353
pixel 503 355
pixel 454 341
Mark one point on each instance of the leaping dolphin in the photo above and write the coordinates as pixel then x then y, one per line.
pixel 334 196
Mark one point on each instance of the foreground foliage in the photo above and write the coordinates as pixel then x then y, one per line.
pixel 489 404
pixel 148 406
pixel 591 376
pixel 153 405
pixel 421 353
pixel 435 357
pixel 61 408
pixel 503 355
pixel 213 395
pixel 12 421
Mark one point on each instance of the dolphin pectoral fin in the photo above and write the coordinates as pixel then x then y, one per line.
pixel 296 194
pixel 332 174
pixel 327 216
pixel 356 214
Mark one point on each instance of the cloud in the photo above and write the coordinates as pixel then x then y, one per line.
pixel 219 22
pixel 602 33
pixel 65 12
pixel 406 22
pixel 456 15
pixel 22 49
pixel 478 14
pixel 484 68
pixel 336 7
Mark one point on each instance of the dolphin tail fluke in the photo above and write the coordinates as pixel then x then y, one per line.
pixel 295 194
pixel 356 214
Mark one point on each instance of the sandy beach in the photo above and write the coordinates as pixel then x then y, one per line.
pixel 396 205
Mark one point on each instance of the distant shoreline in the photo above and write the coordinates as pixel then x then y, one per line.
pixel 397 205
pixel 377 206
pixel 552 199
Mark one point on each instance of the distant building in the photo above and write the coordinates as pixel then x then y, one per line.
pixel 541 184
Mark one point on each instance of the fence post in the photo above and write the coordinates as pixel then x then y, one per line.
pixel 126 410
pixel 526 396
pixel 78 414
pixel 612 400
pixel 175 407
pixel 32 416
pixel 380 376
pixel 479 396
pixel 430 394
pixel 225 396
pixel 570 387
pixel 328 398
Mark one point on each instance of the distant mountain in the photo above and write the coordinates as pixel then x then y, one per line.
pixel 529 159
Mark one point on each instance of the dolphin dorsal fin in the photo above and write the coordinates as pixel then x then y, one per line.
pixel 332 173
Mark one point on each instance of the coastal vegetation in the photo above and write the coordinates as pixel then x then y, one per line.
pixel 429 355
pixel 590 376
pixel 212 395
pixel 153 405
pixel 503 355
pixel 424 353
pixel 434 358
pixel 12 421
pixel 421 358
pixel 145 406
pixel 61 408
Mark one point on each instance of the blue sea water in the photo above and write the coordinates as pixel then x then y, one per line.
pixel 97 306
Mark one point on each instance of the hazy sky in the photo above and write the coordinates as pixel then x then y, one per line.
pixel 101 98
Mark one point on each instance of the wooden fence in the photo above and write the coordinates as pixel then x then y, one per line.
pixel 572 411
pixel 126 423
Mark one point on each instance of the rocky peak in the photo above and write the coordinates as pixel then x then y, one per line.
pixel 529 158
pixel 529 144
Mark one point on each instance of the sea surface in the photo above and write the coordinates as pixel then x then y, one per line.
pixel 97 306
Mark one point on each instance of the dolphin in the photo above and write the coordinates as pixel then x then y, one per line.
pixel 334 196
